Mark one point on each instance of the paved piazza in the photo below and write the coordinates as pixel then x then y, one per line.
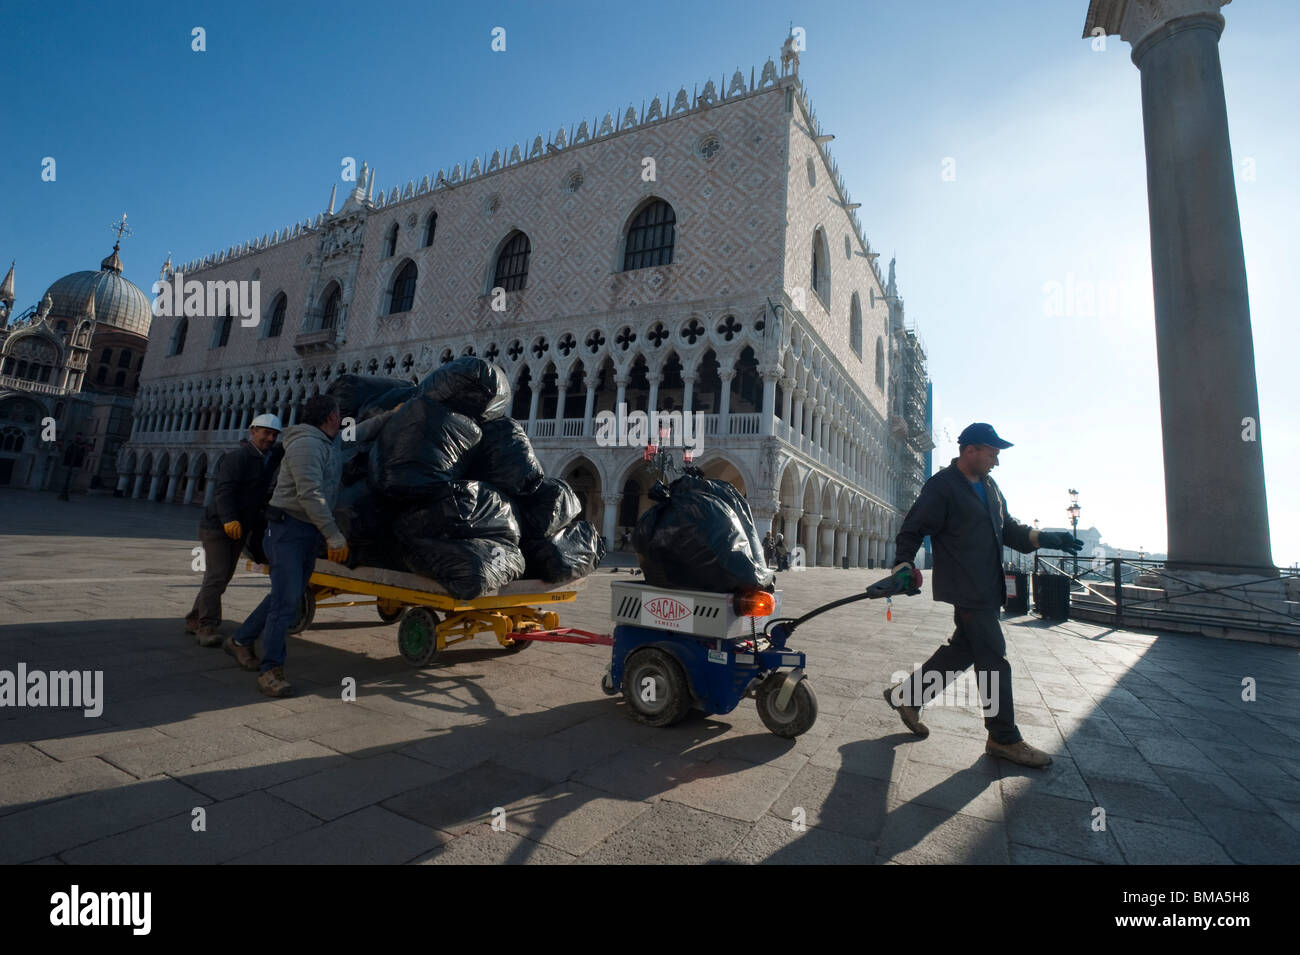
pixel 1150 728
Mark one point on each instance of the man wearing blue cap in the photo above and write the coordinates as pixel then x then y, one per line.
pixel 965 515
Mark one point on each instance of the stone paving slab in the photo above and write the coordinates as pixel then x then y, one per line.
pixel 1151 728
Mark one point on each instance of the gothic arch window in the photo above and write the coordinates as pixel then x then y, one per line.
pixel 178 336
pixel 430 228
pixel 124 359
pixel 650 237
pixel 390 242
pixel 403 294
pixel 329 314
pixel 223 331
pixel 512 263
pixel 880 364
pixel 107 356
pixel 277 317
pixel 821 267
pixel 13 439
pixel 855 326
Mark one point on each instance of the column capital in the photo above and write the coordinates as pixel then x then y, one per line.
pixel 792 513
pixel 726 374
pixel 1137 20
pixel 622 381
pixel 787 383
pixel 611 497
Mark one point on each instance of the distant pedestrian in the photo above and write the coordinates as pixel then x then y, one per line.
pixel 780 552
pixel 300 514
pixel 963 511
pixel 769 549
pixel 235 519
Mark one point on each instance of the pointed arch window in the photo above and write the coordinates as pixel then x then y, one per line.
pixel 329 315
pixel 124 359
pixel 178 336
pixel 223 331
pixel 880 364
pixel 512 264
pixel 430 228
pixel 277 317
pixel 821 269
pixel 855 327
pixel 390 243
pixel 650 237
pixel 403 289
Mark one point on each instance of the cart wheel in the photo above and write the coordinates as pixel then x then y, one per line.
pixel 417 636
pixel 607 685
pixel 306 611
pixel 390 611
pixel 655 687
pixel 514 646
pixel 800 712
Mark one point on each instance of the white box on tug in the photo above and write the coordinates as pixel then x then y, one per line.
pixel 697 612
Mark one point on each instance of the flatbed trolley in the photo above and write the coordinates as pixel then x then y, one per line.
pixel 429 619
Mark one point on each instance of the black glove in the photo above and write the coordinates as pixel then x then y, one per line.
pixel 1060 540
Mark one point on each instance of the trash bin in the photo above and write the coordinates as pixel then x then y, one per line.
pixel 1052 596
pixel 1017 592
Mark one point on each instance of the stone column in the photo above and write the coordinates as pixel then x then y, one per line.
pixel 787 398
pixel 621 399
pixel 763 514
pixel 724 413
pixel 589 411
pixel 561 390
pixel 171 489
pixel 796 422
pixel 536 390
pixel 826 546
pixel 790 525
pixel 210 489
pixel 652 405
pixel 688 395
pixel 1215 501
pixel 765 422
pixel 138 487
pixel 611 500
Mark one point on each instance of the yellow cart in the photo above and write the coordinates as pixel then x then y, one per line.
pixel 415 603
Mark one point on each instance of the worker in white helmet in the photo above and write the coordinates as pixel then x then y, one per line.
pixel 235 518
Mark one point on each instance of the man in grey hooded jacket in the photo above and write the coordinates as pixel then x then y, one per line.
pixel 301 512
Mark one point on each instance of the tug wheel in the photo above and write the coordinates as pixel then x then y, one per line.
pixel 417 636
pixel 390 611
pixel 800 711
pixel 655 687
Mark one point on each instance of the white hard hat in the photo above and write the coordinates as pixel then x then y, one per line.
pixel 266 421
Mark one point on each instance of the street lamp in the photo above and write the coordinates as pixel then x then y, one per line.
pixel 1073 511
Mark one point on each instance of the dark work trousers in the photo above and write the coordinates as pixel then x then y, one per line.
pixel 291 547
pixel 977 640
pixel 221 557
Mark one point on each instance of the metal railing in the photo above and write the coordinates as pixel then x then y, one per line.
pixel 1146 592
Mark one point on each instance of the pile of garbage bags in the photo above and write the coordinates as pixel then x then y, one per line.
pixel 700 535
pixel 450 487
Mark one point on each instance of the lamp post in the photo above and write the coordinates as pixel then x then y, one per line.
pixel 661 460
pixel 1073 511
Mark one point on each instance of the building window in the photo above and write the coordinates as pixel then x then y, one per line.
pixel 223 331
pixel 101 375
pixel 107 356
pixel 277 318
pixel 178 336
pixel 45 372
pixel 880 364
pixel 403 290
pixel 650 237
pixel 512 264
pixel 124 359
pixel 330 313
pixel 855 327
pixel 430 228
pixel 821 272
pixel 390 243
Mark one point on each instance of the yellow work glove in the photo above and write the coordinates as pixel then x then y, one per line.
pixel 234 531
pixel 338 555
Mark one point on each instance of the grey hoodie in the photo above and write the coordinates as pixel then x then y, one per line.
pixel 308 485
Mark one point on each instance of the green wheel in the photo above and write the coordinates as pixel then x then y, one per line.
pixel 417 637
pixel 306 612
pixel 800 711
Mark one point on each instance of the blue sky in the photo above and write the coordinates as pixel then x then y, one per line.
pixel 203 150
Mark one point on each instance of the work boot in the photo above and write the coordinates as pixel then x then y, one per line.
pixel 209 637
pixel 243 655
pixel 1021 753
pixel 191 628
pixel 911 715
pixel 273 683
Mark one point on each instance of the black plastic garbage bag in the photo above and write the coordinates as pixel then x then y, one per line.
pixel 571 554
pixel 465 568
pixel 386 401
pixel 693 539
pixel 464 509
pixel 695 480
pixel 421 445
pixel 365 518
pixel 470 386
pixel 505 459
pixel 354 391
pixel 548 510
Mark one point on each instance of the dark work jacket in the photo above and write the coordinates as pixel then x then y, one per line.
pixel 968 539
pixel 245 478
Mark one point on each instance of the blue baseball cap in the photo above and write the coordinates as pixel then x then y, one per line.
pixel 981 433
